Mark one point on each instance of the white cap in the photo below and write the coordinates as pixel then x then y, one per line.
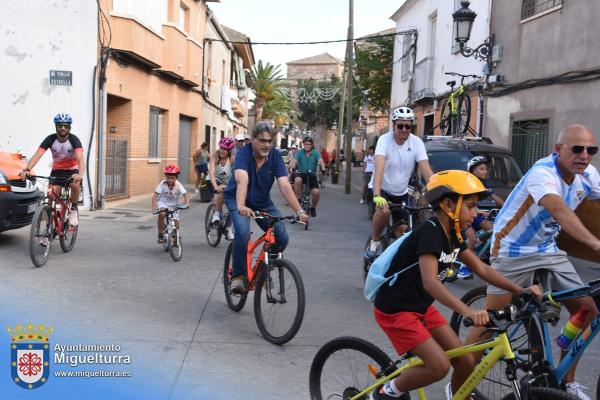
pixel 239 136
pixel 247 137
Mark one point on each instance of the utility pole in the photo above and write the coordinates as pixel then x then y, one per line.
pixel 348 144
pixel 340 127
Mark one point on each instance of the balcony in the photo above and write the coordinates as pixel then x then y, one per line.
pixel 137 41
pixel 174 62
pixel 423 83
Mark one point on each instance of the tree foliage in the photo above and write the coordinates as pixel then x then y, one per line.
pixel 373 71
pixel 266 82
pixel 322 111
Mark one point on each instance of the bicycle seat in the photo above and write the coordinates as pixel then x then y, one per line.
pixel 451 83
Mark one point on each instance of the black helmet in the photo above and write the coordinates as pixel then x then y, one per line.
pixel 308 139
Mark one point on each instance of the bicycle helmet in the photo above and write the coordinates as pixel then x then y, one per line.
pixel 63 118
pixel 172 169
pixel 308 139
pixel 239 137
pixel 459 182
pixel 226 143
pixel 475 161
pixel 403 113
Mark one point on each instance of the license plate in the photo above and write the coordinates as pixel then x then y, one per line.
pixel 32 207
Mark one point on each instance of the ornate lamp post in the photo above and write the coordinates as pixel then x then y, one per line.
pixel 463 23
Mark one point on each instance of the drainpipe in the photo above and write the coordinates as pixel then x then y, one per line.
pixel 102 131
pixel 414 63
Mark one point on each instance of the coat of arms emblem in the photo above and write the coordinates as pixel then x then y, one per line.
pixel 30 355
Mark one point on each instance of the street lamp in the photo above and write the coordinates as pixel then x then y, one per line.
pixel 463 23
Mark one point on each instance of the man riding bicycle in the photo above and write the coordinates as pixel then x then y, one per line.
pixel 306 161
pixel 67 160
pixel 256 167
pixel 525 230
pixel 396 155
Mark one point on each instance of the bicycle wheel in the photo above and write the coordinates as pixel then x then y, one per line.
pixel 69 235
pixel 343 367
pixel 523 335
pixel 40 235
pixel 235 301
pixel 446 119
pixel 279 301
pixel 213 230
pixel 464 114
pixel 543 393
pixel 366 261
pixel 174 245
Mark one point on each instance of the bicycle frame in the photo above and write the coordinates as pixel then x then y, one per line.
pixel 500 348
pixel 267 239
pixel 452 96
pixel 54 201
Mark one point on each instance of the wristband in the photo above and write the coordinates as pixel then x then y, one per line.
pixel 301 211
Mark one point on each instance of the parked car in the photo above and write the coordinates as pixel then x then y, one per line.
pixel 449 153
pixel 19 199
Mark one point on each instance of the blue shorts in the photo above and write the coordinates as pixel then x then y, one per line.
pixel 202 168
pixel 477 222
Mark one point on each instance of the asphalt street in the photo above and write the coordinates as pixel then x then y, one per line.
pixel 118 286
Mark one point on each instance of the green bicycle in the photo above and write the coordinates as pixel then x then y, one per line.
pixel 350 368
pixel 456 111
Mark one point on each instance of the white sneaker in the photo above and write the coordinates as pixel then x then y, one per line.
pixel 216 217
pixel 362 201
pixel 576 389
pixel 448 391
pixel 229 233
pixel 73 217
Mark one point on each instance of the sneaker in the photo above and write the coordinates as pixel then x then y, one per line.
pixel 44 241
pixel 238 285
pixel 215 218
pixel 362 201
pixel 378 395
pixel 374 249
pixel 313 212
pixel 73 217
pixel 448 391
pixel 161 238
pixel 464 272
pixel 576 390
pixel 229 234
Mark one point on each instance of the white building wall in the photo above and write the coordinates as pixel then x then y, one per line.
pixel 35 37
pixel 416 14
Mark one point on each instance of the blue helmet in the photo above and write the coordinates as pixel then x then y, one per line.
pixel 63 118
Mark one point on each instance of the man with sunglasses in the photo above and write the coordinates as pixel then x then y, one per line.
pixel 256 168
pixel 525 230
pixel 306 162
pixel 396 155
pixel 67 159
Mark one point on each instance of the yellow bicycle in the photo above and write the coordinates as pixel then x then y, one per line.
pixel 350 368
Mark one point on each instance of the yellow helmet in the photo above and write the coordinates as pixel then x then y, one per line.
pixel 460 182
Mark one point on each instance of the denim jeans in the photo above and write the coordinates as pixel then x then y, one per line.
pixel 241 228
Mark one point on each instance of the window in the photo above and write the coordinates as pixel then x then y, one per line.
pixel 533 7
pixel 154 132
pixel 529 141
pixel 405 56
pixel 151 12
pixel 183 22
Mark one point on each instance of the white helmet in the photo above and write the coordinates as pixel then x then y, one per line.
pixel 403 113
pixel 475 161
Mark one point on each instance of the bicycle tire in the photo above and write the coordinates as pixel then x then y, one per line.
pixel 366 261
pixel 543 393
pixel 278 278
pixel 213 231
pixel 69 235
pixel 494 385
pixel 446 119
pixel 464 113
pixel 174 245
pixel 346 347
pixel 39 252
pixel 235 301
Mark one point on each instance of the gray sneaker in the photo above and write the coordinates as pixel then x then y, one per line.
pixel 238 285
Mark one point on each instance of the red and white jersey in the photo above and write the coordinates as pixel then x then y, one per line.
pixel 63 153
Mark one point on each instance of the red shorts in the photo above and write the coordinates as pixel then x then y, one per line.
pixel 408 329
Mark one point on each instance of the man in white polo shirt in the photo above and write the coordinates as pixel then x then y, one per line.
pixel 396 155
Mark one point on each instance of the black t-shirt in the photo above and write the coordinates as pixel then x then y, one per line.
pixel 407 292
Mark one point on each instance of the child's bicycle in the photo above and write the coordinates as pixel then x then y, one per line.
pixel 350 368
pixel 278 288
pixel 50 220
pixel 456 112
pixel 171 237
pixel 532 342
pixel 218 229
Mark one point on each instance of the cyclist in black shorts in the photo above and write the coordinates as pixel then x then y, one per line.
pixel 307 161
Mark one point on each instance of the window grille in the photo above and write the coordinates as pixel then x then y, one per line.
pixel 154 133
pixel 533 7
pixel 529 141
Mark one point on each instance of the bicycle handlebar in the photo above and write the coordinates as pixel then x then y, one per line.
pixel 461 75
pixel 292 219
pixel 179 207
pixel 508 313
pixel 62 181
pixel 407 207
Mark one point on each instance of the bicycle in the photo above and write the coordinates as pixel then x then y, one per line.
pixel 51 220
pixel 376 368
pixel 216 230
pixel 532 339
pixel 456 111
pixel 171 237
pixel 305 194
pixel 276 283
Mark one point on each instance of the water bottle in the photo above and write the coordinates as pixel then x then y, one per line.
pixel 572 328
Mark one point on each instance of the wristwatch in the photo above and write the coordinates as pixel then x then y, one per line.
pixel 300 211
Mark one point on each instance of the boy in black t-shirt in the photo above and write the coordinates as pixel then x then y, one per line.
pixel 404 307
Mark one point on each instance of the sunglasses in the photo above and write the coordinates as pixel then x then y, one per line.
pixel 577 149
pixel 404 126
pixel 65 126
pixel 265 141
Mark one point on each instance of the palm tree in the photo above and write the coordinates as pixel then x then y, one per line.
pixel 266 82
pixel 280 109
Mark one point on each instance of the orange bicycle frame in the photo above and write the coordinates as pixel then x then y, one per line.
pixel 268 238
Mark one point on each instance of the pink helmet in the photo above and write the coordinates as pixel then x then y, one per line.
pixel 226 143
pixel 172 169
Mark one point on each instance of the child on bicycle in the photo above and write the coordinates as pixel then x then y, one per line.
pixel 479 166
pixel 167 196
pixel 404 306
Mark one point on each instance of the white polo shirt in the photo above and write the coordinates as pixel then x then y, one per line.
pixel 400 162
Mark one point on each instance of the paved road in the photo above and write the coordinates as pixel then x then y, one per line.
pixel 118 286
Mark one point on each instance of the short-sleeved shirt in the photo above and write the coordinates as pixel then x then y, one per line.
pixel 64 154
pixel 307 162
pixel 325 156
pixel 369 163
pixel 260 181
pixel 522 226
pixel 407 292
pixel 400 162
pixel 169 198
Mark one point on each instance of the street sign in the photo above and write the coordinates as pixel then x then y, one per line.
pixel 64 78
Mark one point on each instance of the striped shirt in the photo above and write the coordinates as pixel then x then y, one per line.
pixel 522 226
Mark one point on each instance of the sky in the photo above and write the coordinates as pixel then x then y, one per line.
pixel 307 20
